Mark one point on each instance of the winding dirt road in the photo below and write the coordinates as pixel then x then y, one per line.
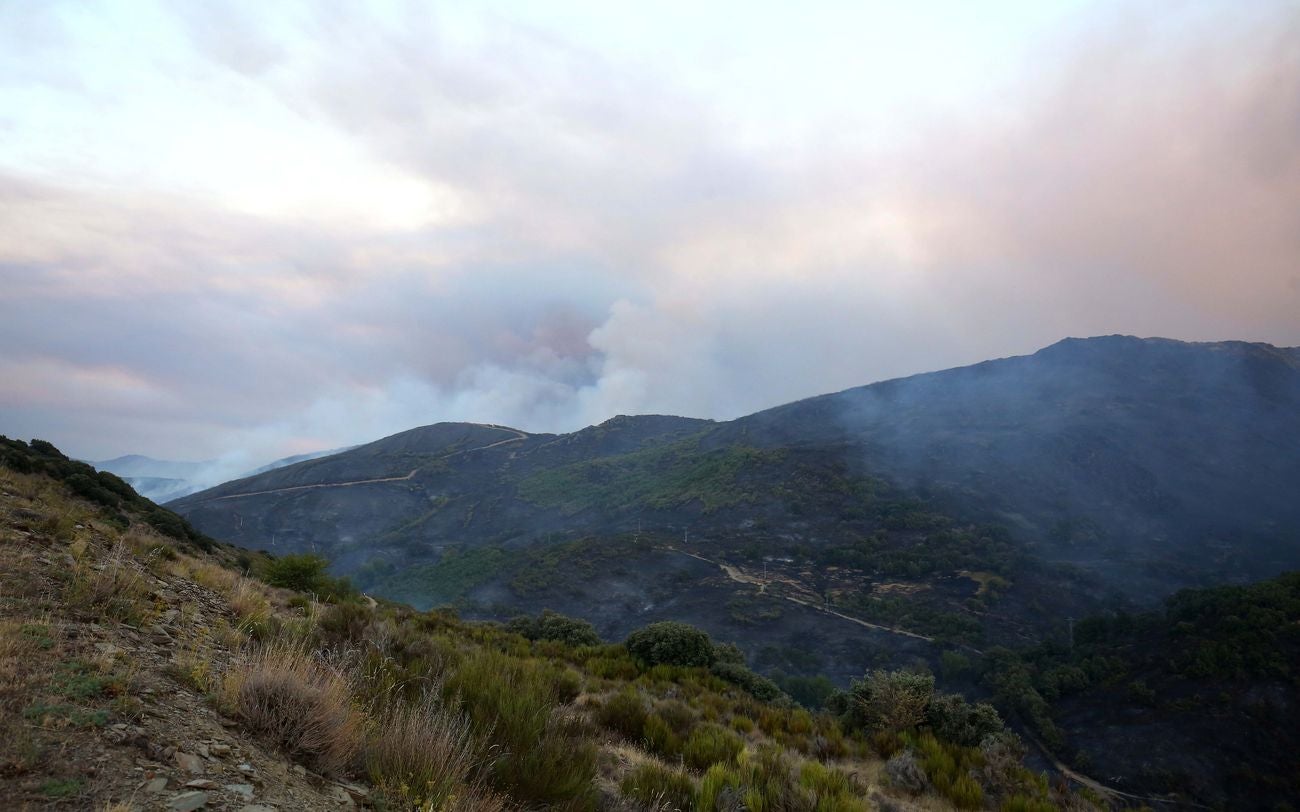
pixel 740 577
pixel 519 436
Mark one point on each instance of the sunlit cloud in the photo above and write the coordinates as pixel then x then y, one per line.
pixel 240 231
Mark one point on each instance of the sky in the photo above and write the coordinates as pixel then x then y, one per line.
pixel 242 230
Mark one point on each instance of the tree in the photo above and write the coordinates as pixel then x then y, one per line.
pixel 671 643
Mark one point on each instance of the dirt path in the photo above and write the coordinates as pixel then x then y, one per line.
pixel 736 575
pixel 519 436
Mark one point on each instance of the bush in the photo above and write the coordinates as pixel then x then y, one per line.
pixel 671 643
pixel 888 700
pixel 625 713
pixel 905 772
pixel 543 757
pixel 659 736
pixel 418 756
pixel 557 627
pixel 660 788
pixel 306 572
pixel 955 720
pixel 761 688
pixel 711 744
pixel 298 703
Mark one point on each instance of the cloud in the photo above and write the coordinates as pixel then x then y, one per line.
pixel 507 226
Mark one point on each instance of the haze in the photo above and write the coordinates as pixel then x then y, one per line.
pixel 248 230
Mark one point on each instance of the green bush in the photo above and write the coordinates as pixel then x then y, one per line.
pixel 659 736
pixel 306 572
pixel 625 713
pixel 658 787
pixel 671 643
pixel 759 687
pixel 555 626
pixel 541 757
pixel 711 744
pixel 955 720
pixel 888 700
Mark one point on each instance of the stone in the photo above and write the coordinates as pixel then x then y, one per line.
pixel 256 808
pixel 246 768
pixel 244 791
pixel 200 783
pixel 189 763
pixel 188 801
pixel 201 749
pixel 156 785
pixel 220 749
pixel 342 797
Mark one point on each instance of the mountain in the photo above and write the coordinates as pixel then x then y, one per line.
pixel 976 506
pixel 165 480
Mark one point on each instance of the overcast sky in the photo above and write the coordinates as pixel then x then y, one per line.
pixel 247 230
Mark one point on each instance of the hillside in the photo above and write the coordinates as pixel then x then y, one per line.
pixel 977 505
pixel 148 671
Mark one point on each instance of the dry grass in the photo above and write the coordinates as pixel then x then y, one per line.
pixel 249 604
pixel 297 702
pixel 113 586
pixel 420 756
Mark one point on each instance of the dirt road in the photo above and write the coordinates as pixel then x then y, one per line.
pixel 519 436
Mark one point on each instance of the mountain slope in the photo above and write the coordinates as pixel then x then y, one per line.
pixel 1155 464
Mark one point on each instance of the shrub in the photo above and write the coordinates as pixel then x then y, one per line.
pixel 888 700
pixel 955 720
pixel 671 643
pixel 761 688
pixel 659 736
pixel 905 772
pixel 660 788
pixel 711 744
pixel 301 705
pixel 419 756
pixel 624 713
pixel 543 757
pixel 306 572
pixel 557 627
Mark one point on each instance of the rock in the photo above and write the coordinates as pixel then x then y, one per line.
pixel 201 749
pixel 299 769
pixel 220 749
pixel 244 791
pixel 189 763
pixel 246 768
pixel 156 785
pixel 200 783
pixel 256 808
pixel 188 801
pixel 358 793
pixel 342 797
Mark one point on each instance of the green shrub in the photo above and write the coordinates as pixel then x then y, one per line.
pixel 671 643
pixel 955 720
pixel 761 688
pixel 711 744
pixel 888 700
pixel 659 736
pixel 625 713
pixel 306 572
pixel 658 787
pixel 554 626
pixel 542 757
